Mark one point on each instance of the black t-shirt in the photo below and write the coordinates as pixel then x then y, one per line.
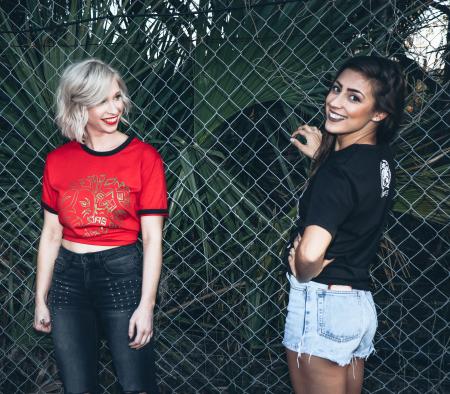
pixel 349 196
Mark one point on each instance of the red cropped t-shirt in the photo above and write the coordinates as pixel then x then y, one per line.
pixel 100 196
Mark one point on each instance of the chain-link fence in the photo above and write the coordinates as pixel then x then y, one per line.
pixel 217 88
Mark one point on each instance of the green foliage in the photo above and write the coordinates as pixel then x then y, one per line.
pixel 218 94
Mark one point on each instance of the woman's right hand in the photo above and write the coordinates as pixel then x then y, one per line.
pixel 313 138
pixel 42 321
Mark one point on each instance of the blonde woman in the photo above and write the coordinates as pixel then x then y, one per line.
pixel 100 190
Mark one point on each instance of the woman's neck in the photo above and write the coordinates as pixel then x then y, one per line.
pixel 345 140
pixel 105 142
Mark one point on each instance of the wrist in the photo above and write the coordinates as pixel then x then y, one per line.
pixel 40 301
pixel 147 304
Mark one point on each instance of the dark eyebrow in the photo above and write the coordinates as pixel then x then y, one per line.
pixel 350 89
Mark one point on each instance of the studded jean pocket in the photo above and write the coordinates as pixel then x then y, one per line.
pixel 123 265
pixel 339 315
pixel 119 293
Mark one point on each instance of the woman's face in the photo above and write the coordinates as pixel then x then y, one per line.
pixel 105 117
pixel 349 106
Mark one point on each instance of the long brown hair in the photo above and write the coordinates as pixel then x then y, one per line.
pixel 389 89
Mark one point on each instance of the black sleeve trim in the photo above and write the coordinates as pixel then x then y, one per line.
pixel 48 208
pixel 153 211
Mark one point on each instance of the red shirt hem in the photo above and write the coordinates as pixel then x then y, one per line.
pixel 99 242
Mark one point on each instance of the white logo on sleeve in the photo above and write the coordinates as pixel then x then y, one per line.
pixel 385 174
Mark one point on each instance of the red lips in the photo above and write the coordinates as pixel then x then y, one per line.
pixel 111 121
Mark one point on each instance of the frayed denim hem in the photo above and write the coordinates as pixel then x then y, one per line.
pixel 341 362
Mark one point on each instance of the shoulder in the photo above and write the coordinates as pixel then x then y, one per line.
pixel 147 150
pixel 333 170
pixel 357 160
pixel 368 171
pixel 61 152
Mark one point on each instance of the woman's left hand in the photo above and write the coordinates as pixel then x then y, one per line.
pixel 140 328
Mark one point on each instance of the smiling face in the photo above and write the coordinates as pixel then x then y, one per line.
pixel 105 116
pixel 350 109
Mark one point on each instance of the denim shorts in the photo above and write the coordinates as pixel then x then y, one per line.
pixel 331 324
pixel 93 293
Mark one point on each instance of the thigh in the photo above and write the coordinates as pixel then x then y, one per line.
pixel 74 328
pixel 135 369
pixel 355 376
pixel 74 334
pixel 118 293
pixel 315 375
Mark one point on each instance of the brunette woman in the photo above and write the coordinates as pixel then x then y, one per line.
pixel 331 320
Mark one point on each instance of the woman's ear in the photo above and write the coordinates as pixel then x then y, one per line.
pixel 379 116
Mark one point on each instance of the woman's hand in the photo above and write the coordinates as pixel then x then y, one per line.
pixel 42 321
pixel 291 257
pixel 140 329
pixel 313 138
pixel 49 245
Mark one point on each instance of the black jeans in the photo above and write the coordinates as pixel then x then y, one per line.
pixel 90 291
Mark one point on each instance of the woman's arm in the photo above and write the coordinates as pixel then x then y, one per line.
pixel 141 322
pixel 49 244
pixel 307 257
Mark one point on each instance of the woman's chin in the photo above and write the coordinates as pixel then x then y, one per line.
pixel 333 128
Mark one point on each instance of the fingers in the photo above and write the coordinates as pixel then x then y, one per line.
pixel 142 338
pixel 292 251
pixel 301 147
pixel 299 131
pixel 291 260
pixel 131 328
pixel 299 144
pixel 305 130
pixel 296 241
pixel 42 321
pixel 42 325
pixel 143 333
pixel 145 340
pixel 311 139
pixel 313 130
pixel 310 129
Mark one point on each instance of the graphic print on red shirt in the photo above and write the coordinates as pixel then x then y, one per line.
pixel 96 200
pixel 99 196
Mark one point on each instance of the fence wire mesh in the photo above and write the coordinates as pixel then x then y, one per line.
pixel 217 87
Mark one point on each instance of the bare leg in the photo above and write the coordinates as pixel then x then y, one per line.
pixel 294 373
pixel 355 376
pixel 317 375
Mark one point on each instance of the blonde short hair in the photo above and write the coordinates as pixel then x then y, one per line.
pixel 84 85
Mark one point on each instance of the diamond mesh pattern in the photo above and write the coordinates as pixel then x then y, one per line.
pixel 218 86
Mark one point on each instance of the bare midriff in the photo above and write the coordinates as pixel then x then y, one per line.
pixel 77 247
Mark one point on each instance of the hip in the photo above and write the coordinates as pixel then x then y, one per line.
pixel 103 279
